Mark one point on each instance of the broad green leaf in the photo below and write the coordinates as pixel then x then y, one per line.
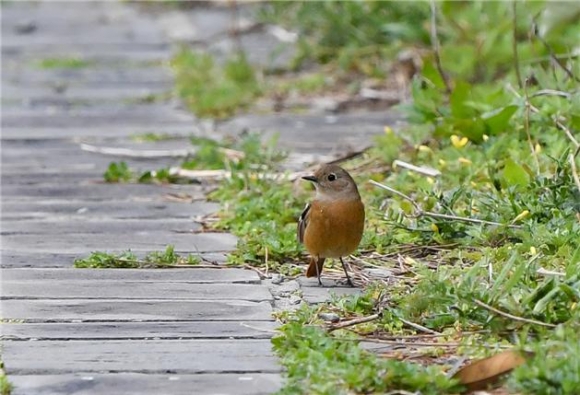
pixel 572 292
pixel 540 307
pixel 430 73
pixel 513 279
pixel 498 120
pixel 458 100
pixel 514 174
pixel 540 292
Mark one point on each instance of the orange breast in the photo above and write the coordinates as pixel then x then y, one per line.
pixel 334 229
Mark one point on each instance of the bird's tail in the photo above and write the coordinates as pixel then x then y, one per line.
pixel 315 267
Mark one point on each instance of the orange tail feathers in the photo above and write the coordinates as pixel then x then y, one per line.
pixel 312 270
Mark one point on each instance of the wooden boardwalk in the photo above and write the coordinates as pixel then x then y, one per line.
pixel 82 331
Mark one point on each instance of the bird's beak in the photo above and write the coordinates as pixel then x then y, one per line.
pixel 311 178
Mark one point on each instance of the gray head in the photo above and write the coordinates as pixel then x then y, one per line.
pixel 333 183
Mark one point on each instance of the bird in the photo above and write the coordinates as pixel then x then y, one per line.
pixel 332 224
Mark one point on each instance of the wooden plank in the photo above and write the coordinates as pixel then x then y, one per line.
pixel 84 244
pixel 155 115
pixel 154 356
pixel 128 290
pixel 104 209
pixel 90 190
pixel 146 384
pixel 138 330
pixel 193 275
pixel 89 130
pixel 67 310
pixel 111 226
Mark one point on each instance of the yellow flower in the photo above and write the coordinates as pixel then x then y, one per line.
pixel 521 216
pixel 538 148
pixel 459 142
pixel 424 148
pixel 434 228
pixel 485 137
pixel 533 250
pixel 409 261
pixel 430 180
pixel 464 161
pixel 388 130
pixel 442 163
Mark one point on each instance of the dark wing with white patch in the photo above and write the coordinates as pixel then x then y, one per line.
pixel 303 222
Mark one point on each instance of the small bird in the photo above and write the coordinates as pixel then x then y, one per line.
pixel 332 225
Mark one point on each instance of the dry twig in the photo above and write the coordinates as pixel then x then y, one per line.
pixel 544 272
pixel 555 58
pixel 260 273
pixel 435 44
pixel 426 171
pixel 411 344
pixel 355 321
pixel 418 327
pixel 515 44
pixel 131 153
pixel 511 316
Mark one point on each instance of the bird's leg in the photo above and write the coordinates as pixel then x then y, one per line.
pixel 348 280
pixel 318 272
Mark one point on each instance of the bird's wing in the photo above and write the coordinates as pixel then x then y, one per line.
pixel 302 223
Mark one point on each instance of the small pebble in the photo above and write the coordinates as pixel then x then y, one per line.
pixel 277 279
pixel 25 27
pixel 295 299
pixel 329 317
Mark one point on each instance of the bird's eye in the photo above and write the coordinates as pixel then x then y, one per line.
pixel 331 177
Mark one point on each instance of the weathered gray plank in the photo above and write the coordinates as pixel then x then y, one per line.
pixel 84 244
pixel 88 130
pixel 79 162
pixel 147 384
pixel 78 93
pixel 138 330
pixel 156 356
pixel 130 310
pixel 113 55
pixel 146 117
pixel 333 132
pixel 91 76
pixel 128 290
pixel 138 241
pixel 107 209
pixel 316 294
pixel 135 226
pixel 88 22
pixel 91 191
pixel 193 275
pixel 22 259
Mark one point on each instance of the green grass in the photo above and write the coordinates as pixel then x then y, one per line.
pixel 320 363
pixel 71 62
pixel 6 386
pixel 118 172
pixel 151 137
pixel 128 260
pixel 211 90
